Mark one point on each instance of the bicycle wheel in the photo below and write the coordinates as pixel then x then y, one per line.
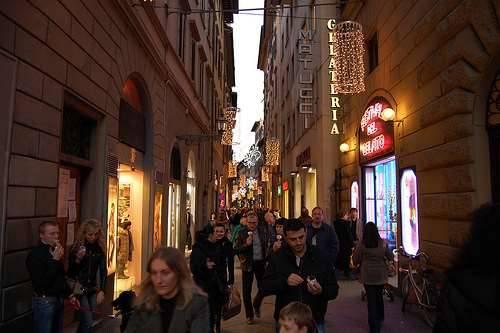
pixel 405 289
pixel 428 305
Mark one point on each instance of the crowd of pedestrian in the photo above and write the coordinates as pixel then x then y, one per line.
pixel 294 259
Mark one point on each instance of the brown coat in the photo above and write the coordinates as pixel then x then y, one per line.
pixel 372 261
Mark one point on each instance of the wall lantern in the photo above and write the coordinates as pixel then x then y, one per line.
pixel 345 147
pixel 305 166
pixel 388 115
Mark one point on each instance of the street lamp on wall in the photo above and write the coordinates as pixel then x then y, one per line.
pixel 388 115
pixel 345 147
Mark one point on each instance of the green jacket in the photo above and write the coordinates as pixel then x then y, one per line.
pixel 193 318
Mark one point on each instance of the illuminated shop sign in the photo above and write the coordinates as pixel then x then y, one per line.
pixel 376 137
pixel 409 211
pixel 285 186
pixel 334 96
pixel 305 75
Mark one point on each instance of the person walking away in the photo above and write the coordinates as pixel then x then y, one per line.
pixel 87 267
pixel 253 246
pixel 296 317
pixel 468 301
pixel 205 261
pixel 371 254
pixel 297 273
pixel 346 243
pixel 46 270
pixel 323 236
pixel 169 301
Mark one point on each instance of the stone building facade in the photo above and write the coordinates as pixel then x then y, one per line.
pixel 293 49
pixel 436 64
pixel 95 92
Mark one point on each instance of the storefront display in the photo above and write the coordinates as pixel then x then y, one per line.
pixel 129 231
pixel 157 220
pixel 112 224
pixel 409 211
pixel 355 195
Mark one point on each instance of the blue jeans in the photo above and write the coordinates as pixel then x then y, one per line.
pixel 88 304
pixel 47 314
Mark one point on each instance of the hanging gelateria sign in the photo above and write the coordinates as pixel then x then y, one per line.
pixel 334 96
pixel 305 75
pixel 376 137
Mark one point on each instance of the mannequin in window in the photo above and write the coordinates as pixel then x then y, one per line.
pixel 125 248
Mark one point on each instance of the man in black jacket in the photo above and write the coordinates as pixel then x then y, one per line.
pixel 323 236
pixel 297 273
pixel 44 264
pixel 253 246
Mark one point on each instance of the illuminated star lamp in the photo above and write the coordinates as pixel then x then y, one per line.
pixel 348 51
pixel 272 152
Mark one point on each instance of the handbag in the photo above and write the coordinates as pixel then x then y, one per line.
pixel 75 286
pixel 233 305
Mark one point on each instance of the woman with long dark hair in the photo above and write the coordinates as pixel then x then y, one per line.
pixel 169 301
pixel 371 253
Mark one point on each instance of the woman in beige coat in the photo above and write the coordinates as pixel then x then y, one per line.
pixel 169 301
pixel 371 253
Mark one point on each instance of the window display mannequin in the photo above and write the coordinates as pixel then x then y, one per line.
pixel 125 249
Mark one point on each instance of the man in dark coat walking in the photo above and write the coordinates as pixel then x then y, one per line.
pixel 297 273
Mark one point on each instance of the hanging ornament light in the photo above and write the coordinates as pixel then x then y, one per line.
pixel 272 152
pixel 264 174
pixel 231 169
pixel 227 137
pixel 259 190
pixel 252 156
pixel 348 70
pixel 242 181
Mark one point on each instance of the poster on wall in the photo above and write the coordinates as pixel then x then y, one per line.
pixel 409 211
pixel 157 220
pixel 112 224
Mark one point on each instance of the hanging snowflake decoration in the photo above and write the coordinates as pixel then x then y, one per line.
pixel 252 156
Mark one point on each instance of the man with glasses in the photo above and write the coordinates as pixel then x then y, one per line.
pixel 253 246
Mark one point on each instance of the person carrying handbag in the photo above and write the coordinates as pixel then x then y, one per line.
pixel 87 270
pixel 371 253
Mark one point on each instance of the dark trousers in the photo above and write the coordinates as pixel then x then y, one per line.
pixel 375 306
pixel 344 260
pixel 215 304
pixel 258 269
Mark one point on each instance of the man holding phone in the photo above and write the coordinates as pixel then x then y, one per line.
pixel 297 273
pixel 46 269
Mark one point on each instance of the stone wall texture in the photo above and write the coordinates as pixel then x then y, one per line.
pixel 435 64
pixel 86 48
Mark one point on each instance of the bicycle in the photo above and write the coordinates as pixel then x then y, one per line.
pixel 417 284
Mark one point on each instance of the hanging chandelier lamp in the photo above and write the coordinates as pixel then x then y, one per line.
pixel 347 49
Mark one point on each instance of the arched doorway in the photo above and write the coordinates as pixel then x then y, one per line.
pixel 131 198
pixel 493 123
pixel 174 198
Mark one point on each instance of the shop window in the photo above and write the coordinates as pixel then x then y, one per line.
pixel 409 211
pixel 132 121
pixel 175 164
pixel 355 195
pixel 77 132
pixel 373 53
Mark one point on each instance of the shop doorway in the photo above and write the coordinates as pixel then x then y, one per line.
pixel 129 235
pixel 380 201
pixel 174 206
